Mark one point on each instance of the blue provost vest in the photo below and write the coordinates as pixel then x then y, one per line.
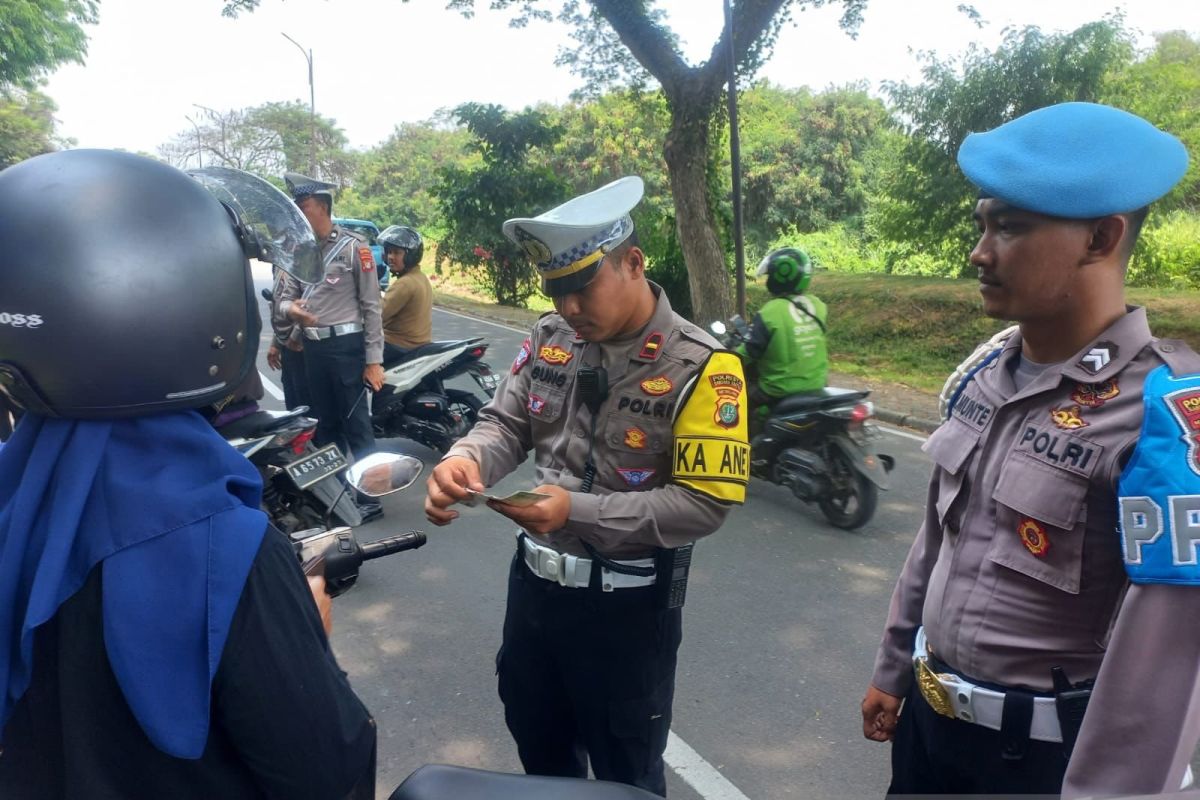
pixel 1159 490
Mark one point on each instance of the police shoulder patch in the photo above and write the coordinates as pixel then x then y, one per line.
pixel 366 259
pixel 711 449
pixel 522 356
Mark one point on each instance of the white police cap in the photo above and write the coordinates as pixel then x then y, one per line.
pixel 568 242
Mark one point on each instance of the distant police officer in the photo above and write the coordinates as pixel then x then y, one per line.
pixel 1056 570
pixel 638 427
pixel 343 335
pixel 286 352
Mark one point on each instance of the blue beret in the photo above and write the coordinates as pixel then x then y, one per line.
pixel 1074 160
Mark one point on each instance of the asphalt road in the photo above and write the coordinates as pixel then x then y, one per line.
pixel 780 628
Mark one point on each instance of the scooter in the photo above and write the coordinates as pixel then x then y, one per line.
pixel 819 445
pixel 301 488
pixel 414 403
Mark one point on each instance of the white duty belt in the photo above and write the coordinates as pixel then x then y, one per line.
pixel 316 334
pixel 958 698
pixel 575 572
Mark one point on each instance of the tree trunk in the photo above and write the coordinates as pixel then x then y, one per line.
pixel 686 154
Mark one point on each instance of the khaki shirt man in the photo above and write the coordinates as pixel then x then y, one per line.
pixel 408 310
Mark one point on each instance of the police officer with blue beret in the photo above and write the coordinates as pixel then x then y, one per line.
pixel 340 321
pixel 1041 635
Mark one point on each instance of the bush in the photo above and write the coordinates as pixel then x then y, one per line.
pixel 1168 253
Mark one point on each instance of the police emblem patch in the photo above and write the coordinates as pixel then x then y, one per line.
pixel 728 387
pixel 536 404
pixel 657 386
pixel 1033 536
pixel 522 356
pixel 553 354
pixel 535 248
pixel 635 438
pixel 635 477
pixel 1185 408
pixel 652 346
pixel 1094 395
pixel 366 259
pixel 1068 418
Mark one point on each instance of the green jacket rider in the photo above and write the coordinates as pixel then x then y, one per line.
pixel 786 346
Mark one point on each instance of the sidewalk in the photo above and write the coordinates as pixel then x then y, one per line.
pixel 895 403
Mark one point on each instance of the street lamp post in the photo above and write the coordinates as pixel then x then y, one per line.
pixel 212 114
pixel 199 145
pixel 312 108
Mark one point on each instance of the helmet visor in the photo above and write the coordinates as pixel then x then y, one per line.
pixel 286 238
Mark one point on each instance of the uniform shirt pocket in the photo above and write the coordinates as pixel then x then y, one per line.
pixel 627 433
pixel 545 404
pixel 1040 522
pixel 950 447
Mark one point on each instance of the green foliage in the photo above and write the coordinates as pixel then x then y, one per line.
pixel 1168 252
pixel 837 248
pixel 927 201
pixel 38 35
pixel 475 200
pixel 26 125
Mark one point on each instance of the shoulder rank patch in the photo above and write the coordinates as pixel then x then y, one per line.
pixel 1099 357
pixel 1033 536
pixel 635 477
pixel 635 438
pixel 366 259
pixel 711 450
pixel 652 346
pixel 1068 418
pixel 657 386
pixel 1094 395
pixel 522 356
pixel 553 354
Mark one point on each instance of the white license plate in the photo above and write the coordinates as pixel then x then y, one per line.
pixel 312 468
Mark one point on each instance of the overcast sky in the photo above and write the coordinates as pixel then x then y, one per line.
pixel 381 62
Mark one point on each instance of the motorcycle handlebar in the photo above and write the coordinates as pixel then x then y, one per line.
pixel 385 547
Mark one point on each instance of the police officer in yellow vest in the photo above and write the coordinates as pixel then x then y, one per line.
pixel 340 321
pixel 637 422
pixel 1042 633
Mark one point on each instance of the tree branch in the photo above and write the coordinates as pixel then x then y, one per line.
pixel 648 43
pixel 750 21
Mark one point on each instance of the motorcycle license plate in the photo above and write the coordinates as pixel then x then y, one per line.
pixel 315 466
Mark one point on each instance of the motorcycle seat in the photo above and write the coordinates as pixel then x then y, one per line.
pixel 439 781
pixel 829 396
pixel 261 422
pixel 427 350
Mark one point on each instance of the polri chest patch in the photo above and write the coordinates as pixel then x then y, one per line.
pixel 1059 448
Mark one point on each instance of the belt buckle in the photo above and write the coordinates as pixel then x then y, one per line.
pixel 553 565
pixel 932 689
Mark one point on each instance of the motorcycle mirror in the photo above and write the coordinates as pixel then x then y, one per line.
pixel 384 473
pixel 718 328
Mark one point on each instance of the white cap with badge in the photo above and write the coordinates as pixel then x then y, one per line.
pixel 568 242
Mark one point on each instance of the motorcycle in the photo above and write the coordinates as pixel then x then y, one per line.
pixel 820 446
pixel 301 488
pixel 414 403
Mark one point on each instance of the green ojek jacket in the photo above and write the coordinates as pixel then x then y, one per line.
pixel 787 345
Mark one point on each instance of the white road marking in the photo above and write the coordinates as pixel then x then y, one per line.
pixel 270 386
pixel 901 433
pixel 480 319
pixel 702 776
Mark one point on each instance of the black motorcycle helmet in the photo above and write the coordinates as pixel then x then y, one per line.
pixel 406 239
pixel 125 288
pixel 788 270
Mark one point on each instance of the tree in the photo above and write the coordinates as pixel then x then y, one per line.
pixel 627 40
pixel 38 35
pixel 26 126
pixel 925 207
pixel 476 200
pixel 267 139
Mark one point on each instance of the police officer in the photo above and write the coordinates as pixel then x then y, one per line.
pixel 1055 572
pixel 637 424
pixel 286 352
pixel 339 317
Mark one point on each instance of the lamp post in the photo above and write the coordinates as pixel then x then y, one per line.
pixel 212 114
pixel 312 108
pixel 199 146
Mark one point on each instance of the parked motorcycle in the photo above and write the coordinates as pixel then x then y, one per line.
pixel 820 445
pixel 414 402
pixel 300 482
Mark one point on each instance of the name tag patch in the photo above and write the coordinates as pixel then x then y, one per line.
pixel 1061 450
pixel 974 411
pixel 659 409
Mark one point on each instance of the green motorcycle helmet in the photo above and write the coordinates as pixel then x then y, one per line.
pixel 788 270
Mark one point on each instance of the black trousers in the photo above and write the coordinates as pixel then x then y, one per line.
pixel 294 378
pixel 586 674
pixel 334 368
pixel 932 754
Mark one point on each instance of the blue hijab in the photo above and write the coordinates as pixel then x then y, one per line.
pixel 173 512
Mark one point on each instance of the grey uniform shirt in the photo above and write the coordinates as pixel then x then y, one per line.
pixel 1018 565
pixel 349 292
pixel 633 507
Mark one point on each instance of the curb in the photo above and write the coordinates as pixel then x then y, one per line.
pixel 906 420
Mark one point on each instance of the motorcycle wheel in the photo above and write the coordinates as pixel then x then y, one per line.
pixel 464 412
pixel 852 501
